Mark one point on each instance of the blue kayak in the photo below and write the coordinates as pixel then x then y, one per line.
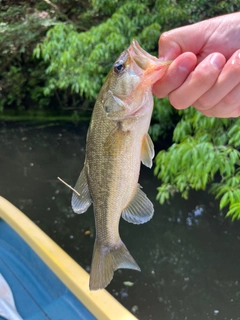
pixel 39 281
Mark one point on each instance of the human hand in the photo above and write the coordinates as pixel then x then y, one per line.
pixel 205 72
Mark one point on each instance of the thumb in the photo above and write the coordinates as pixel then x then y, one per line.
pixel 184 39
pixel 169 48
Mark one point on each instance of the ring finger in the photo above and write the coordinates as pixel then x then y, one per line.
pixel 221 90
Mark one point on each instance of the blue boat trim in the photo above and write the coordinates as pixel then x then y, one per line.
pixel 46 283
pixel 38 293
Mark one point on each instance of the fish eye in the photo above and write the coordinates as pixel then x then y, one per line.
pixel 119 67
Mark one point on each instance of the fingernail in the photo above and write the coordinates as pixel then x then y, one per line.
pixel 217 61
pixel 236 57
pixel 186 65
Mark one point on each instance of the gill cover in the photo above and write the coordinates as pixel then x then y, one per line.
pixel 130 81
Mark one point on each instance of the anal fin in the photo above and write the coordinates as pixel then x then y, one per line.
pixel 80 203
pixel 139 210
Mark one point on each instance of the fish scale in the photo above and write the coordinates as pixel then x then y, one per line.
pixel 117 143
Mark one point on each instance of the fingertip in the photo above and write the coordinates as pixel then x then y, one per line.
pixel 218 60
pixel 186 62
pixel 176 74
pixel 156 92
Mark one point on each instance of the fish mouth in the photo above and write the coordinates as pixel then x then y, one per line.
pixel 146 61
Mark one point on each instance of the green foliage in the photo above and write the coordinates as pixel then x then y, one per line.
pixel 20 83
pixel 164 119
pixel 81 60
pixel 76 43
pixel 22 77
pixel 83 39
pixel 203 149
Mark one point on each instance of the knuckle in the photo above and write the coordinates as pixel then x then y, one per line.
pixel 203 103
pixel 176 101
pixel 205 76
pixel 236 69
pixel 230 99
pixel 236 112
pixel 208 113
pixel 165 36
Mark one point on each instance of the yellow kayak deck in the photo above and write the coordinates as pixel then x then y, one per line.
pixel 100 303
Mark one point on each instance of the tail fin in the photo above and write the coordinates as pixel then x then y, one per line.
pixel 106 260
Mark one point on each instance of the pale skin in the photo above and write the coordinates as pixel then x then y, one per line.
pixel 205 72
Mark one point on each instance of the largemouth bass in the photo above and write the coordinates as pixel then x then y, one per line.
pixel 117 143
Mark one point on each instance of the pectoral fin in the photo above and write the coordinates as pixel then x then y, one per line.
pixel 114 142
pixel 139 210
pixel 80 203
pixel 147 151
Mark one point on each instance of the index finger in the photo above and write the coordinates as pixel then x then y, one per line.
pixel 176 74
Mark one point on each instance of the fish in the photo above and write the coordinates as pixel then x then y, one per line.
pixel 7 305
pixel 117 143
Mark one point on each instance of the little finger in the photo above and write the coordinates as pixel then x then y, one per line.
pixel 228 107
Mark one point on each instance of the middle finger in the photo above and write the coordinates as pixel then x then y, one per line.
pixel 198 82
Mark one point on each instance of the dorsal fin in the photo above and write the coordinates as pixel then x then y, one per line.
pixel 147 151
pixel 139 210
pixel 80 203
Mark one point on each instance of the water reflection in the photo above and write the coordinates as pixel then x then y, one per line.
pixel 188 252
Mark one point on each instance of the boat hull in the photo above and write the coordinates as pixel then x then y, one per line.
pixel 47 283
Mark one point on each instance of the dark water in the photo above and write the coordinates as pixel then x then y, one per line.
pixel 188 253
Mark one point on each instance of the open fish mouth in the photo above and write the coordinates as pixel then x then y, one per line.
pixel 144 60
pixel 139 51
pixel 139 65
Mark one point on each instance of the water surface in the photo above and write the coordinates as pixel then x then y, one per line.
pixel 188 253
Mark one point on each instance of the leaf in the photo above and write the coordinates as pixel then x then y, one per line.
pixel 234 211
pixel 224 200
pixel 128 283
